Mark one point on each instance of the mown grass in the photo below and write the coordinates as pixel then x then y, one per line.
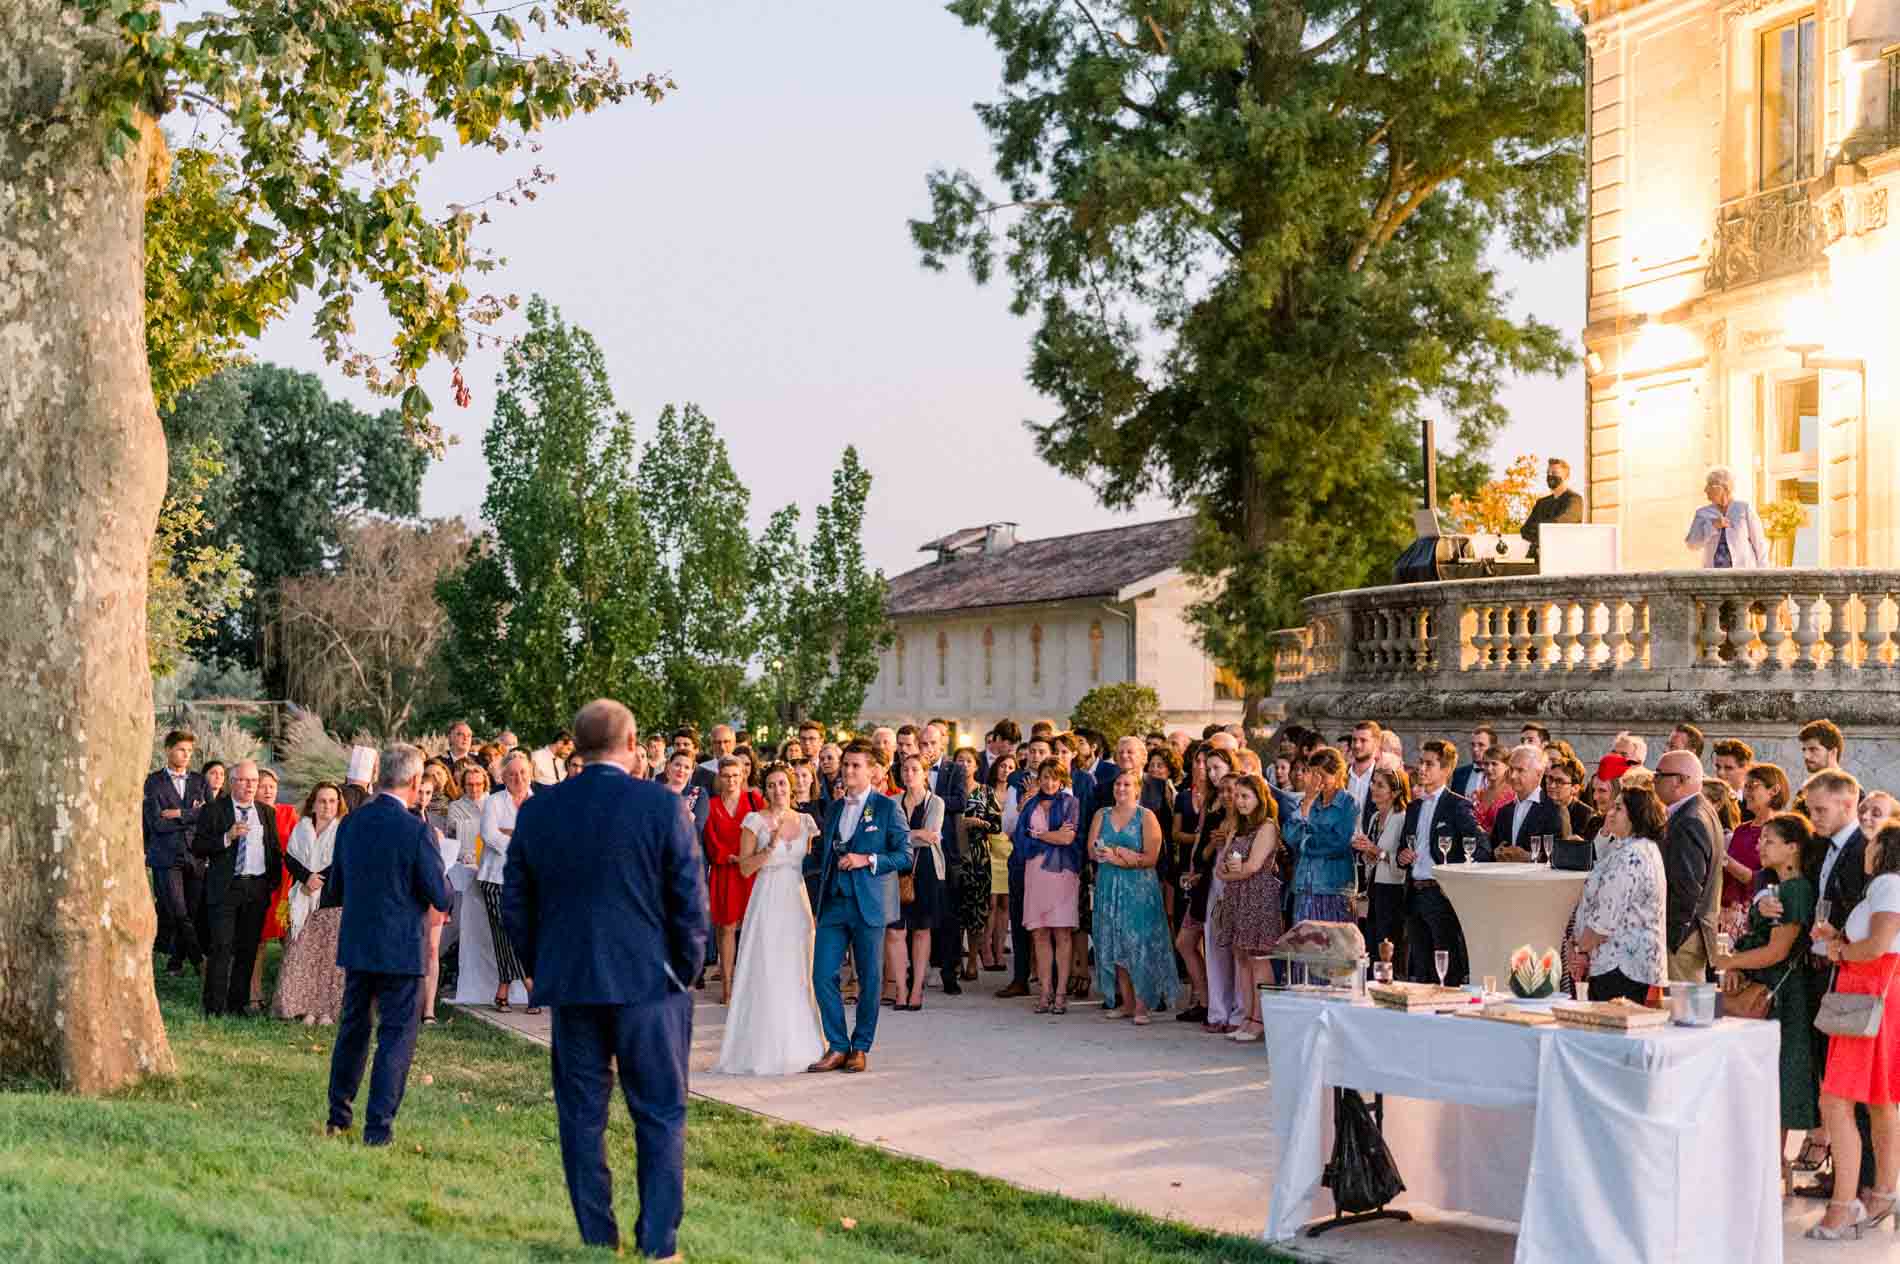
pixel 227 1163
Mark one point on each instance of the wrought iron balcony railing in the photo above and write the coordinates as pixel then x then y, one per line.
pixel 1764 235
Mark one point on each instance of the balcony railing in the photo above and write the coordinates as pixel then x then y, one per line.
pixel 1705 629
pixel 1764 235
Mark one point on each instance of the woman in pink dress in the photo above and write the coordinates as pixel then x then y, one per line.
pixel 1049 835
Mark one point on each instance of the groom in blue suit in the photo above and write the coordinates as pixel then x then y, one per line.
pixel 866 844
pixel 604 899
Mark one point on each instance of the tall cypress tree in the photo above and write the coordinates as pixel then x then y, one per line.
pixel 553 607
pixel 1255 235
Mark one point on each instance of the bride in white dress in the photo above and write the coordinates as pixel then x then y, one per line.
pixel 772 1025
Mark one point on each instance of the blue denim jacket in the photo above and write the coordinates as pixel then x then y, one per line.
pixel 1323 842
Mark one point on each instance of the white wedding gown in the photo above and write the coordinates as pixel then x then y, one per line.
pixel 772 1025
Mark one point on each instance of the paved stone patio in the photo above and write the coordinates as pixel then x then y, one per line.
pixel 1163 1119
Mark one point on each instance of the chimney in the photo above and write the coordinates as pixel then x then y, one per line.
pixel 999 538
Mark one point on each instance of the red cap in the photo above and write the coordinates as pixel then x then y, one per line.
pixel 1612 766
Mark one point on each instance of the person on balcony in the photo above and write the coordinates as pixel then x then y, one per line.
pixel 1727 530
pixel 1562 505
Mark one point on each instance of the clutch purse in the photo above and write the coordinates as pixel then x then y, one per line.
pixel 1572 855
pixel 1854 1014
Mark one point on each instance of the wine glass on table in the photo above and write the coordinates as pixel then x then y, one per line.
pixel 1444 848
pixel 1441 962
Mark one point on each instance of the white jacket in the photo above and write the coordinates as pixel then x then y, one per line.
pixel 1747 547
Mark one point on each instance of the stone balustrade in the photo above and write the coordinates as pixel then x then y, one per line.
pixel 1730 644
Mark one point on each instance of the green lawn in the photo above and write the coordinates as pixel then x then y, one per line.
pixel 228 1163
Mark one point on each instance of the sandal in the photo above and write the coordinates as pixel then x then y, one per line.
pixel 428 1020
pixel 532 1010
pixel 1059 1008
pixel 1043 1006
pixel 1891 1197
pixel 1813 1155
pixel 1856 1214
pixel 1142 1020
pixel 501 1005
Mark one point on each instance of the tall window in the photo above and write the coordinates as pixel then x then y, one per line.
pixel 1790 443
pixel 943 659
pixel 1035 656
pixel 1095 652
pixel 989 657
pixel 900 662
pixel 1788 99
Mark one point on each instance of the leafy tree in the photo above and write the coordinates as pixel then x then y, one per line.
pixel 359 640
pixel 322 117
pixel 194 580
pixel 819 612
pixel 1500 504
pixel 1255 236
pixel 298 465
pixel 554 606
pixel 695 509
pixel 1117 710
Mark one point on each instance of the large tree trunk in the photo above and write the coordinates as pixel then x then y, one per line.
pixel 80 483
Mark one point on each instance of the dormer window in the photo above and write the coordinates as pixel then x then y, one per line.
pixel 1789 96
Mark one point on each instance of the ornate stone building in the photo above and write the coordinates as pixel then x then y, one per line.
pixel 1741 267
pixel 993 627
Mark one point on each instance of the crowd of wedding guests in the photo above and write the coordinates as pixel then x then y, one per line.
pixel 1153 871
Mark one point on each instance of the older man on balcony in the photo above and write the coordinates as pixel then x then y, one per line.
pixel 1727 530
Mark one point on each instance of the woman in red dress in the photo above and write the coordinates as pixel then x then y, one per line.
pixel 277 920
pixel 729 889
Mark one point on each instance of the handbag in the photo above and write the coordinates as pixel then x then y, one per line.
pixel 1853 1014
pixel 906 889
pixel 1754 1000
pixel 1573 855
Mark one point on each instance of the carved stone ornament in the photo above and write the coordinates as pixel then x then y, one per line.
pixel 1718 336
pixel 1756 339
pixel 1873 210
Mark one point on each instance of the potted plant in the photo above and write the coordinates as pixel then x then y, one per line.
pixel 1780 519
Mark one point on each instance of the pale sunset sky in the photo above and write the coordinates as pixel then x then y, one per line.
pixel 743 246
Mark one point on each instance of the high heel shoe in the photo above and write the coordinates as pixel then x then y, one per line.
pixel 1813 1154
pixel 1856 1216
pixel 1887 1196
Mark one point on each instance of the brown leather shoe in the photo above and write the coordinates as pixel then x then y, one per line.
pixel 1013 989
pixel 830 1062
pixel 857 1061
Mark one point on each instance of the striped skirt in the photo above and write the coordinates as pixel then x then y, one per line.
pixel 507 967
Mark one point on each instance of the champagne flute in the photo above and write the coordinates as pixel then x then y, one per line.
pixel 1444 848
pixel 1441 962
pixel 1821 910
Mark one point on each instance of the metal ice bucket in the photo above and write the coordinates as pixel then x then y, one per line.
pixel 1692 1004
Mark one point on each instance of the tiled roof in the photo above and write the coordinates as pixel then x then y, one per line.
pixel 1061 568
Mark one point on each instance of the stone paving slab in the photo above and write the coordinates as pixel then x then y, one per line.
pixel 1161 1119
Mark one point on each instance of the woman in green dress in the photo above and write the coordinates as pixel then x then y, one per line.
pixel 1773 952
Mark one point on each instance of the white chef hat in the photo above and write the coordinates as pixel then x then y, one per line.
pixel 362 764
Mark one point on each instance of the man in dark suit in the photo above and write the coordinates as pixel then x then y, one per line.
pixel 1437 823
pixel 238 836
pixel 174 796
pixel 1529 815
pixel 385 873
pixel 1693 856
pixel 865 845
pixel 605 902
pixel 1468 779
pixel 1562 505
pixel 949 782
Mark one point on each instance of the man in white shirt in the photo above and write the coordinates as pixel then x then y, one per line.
pixel 1365 755
pixel 1436 815
pixel 1694 854
pixel 1531 815
pixel 239 838
pixel 461 742
pixel 719 743
pixel 550 761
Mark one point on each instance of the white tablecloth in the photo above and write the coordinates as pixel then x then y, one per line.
pixel 475 984
pixel 1502 907
pixel 1603 1147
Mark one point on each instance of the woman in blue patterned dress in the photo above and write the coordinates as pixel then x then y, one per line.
pixel 1134 957
pixel 1321 840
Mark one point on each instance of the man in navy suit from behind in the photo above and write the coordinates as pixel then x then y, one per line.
pixel 385 872
pixel 604 898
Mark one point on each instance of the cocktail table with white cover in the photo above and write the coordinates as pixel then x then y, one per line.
pixel 1502 907
pixel 1602 1146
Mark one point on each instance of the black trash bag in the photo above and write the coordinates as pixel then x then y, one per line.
pixel 1361 1175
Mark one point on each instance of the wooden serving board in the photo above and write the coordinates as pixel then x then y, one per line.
pixel 1515 1014
pixel 1608 1015
pixel 1419 997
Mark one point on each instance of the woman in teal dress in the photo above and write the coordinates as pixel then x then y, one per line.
pixel 1773 952
pixel 1134 956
